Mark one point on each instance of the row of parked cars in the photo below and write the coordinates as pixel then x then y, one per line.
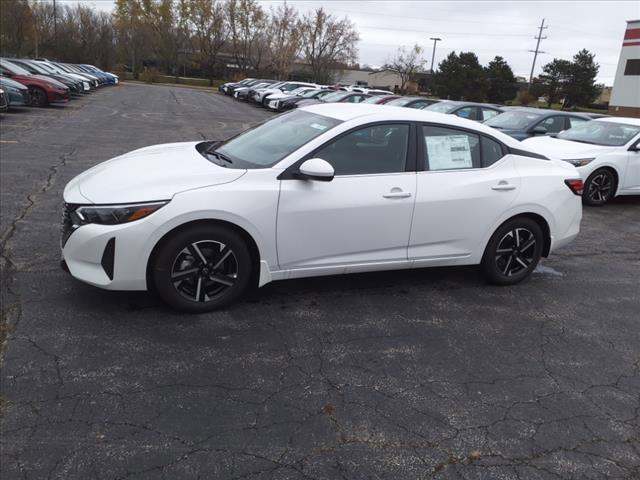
pixel 605 150
pixel 40 82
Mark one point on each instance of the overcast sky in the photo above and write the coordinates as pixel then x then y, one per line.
pixel 505 28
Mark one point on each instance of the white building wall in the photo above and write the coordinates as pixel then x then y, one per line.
pixel 625 97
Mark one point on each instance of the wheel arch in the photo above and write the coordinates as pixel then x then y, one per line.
pixel 254 251
pixel 613 170
pixel 540 220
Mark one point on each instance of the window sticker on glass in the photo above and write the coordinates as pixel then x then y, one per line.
pixel 447 152
pixel 317 126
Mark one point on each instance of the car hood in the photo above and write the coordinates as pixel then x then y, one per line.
pixel 564 149
pixel 282 96
pixel 11 83
pixel 151 173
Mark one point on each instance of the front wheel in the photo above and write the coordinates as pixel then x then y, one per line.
pixel 202 268
pixel 38 97
pixel 599 187
pixel 513 251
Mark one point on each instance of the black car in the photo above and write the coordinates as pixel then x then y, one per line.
pixel 412 102
pixel 232 88
pixel 473 111
pixel 242 93
pixel 288 103
pixel 524 122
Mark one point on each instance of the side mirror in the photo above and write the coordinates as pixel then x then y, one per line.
pixel 539 130
pixel 316 169
pixel 635 148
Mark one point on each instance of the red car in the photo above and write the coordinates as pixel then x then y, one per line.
pixel 43 90
pixel 380 99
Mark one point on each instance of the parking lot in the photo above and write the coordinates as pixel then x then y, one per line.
pixel 393 375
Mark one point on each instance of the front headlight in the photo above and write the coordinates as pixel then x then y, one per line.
pixel 12 89
pixel 114 214
pixel 579 162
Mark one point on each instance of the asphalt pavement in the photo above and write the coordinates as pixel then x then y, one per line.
pixel 392 375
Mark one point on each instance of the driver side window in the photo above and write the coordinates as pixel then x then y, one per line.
pixel 553 124
pixel 369 150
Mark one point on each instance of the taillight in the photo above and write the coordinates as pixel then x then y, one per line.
pixel 575 185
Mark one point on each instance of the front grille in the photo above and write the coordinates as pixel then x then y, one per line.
pixel 67 223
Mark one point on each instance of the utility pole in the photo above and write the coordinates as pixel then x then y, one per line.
pixel 433 55
pixel 55 28
pixel 537 50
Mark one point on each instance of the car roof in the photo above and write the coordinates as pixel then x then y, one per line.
pixel 471 104
pixel 626 120
pixel 351 111
pixel 545 111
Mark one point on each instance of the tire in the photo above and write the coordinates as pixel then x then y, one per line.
pixel 510 257
pixel 202 286
pixel 38 97
pixel 599 188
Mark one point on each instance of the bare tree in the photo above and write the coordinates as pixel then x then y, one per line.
pixel 205 20
pixel 284 38
pixel 16 26
pixel 247 23
pixel 406 63
pixel 328 43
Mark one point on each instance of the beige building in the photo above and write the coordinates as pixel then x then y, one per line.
pixel 388 80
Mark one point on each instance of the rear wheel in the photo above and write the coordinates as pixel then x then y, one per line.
pixel 599 187
pixel 202 268
pixel 38 97
pixel 513 251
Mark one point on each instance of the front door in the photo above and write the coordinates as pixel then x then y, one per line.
pixel 362 216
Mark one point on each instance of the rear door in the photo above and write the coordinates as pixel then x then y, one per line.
pixel 468 181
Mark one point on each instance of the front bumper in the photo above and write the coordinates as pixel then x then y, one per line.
pixel 94 254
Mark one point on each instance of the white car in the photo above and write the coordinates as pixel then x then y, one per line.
pixel 262 95
pixel 274 99
pixel 321 190
pixel 605 151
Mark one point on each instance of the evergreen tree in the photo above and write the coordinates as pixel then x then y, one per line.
pixel 502 84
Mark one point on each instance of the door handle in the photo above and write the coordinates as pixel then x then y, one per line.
pixel 503 186
pixel 397 193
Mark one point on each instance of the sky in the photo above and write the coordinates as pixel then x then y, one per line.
pixel 488 28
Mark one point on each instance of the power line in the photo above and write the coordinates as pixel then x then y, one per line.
pixel 537 50
pixel 396 29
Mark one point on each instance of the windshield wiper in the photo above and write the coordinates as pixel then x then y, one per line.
pixel 220 156
pixel 579 141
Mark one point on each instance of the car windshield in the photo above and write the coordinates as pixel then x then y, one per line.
pixel 441 107
pixel 43 67
pixel 335 97
pixel 400 102
pixel 311 93
pixel 289 87
pixel 12 67
pixel 513 120
pixel 374 100
pixel 265 145
pixel 610 134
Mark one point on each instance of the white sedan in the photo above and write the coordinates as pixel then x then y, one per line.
pixel 606 152
pixel 322 190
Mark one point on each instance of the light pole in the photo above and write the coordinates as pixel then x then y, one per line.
pixel 433 55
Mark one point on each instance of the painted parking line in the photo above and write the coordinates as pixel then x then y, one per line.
pixel 8 141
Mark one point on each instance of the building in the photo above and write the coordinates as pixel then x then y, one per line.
pixel 625 97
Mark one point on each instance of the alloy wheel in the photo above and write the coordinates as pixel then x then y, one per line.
pixel 600 188
pixel 204 270
pixel 516 251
